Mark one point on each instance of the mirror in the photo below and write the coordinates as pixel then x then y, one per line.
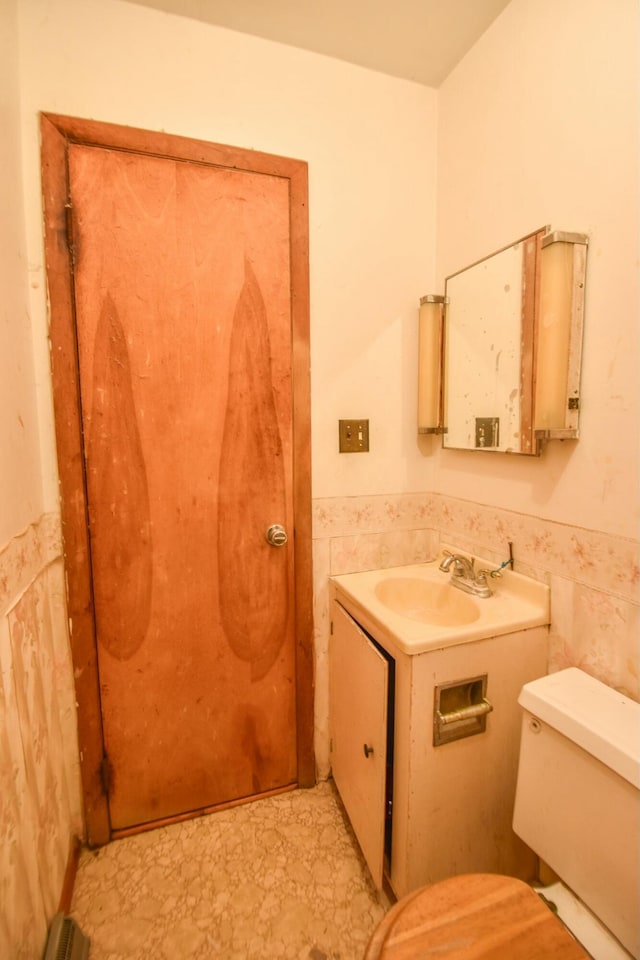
pixel 512 344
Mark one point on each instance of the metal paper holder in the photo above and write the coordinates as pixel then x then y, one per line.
pixel 460 709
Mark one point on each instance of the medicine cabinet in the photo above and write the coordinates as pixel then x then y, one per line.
pixel 500 352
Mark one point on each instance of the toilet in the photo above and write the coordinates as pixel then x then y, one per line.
pixel 577 806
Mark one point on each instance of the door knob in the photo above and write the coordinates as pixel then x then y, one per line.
pixel 276 535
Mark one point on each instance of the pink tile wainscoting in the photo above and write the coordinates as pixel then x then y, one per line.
pixel 593 576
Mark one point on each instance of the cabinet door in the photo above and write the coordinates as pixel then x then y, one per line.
pixel 358 678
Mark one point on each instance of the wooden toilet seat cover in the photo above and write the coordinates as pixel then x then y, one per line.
pixel 473 917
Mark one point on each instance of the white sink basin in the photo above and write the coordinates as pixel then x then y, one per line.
pixel 420 599
pixel 417 609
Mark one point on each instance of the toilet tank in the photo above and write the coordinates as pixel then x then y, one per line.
pixel 578 792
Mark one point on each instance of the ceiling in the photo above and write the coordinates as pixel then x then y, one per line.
pixel 419 40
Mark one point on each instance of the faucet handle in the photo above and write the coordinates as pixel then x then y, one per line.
pixel 482 575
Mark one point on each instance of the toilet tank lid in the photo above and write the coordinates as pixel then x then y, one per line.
pixel 597 718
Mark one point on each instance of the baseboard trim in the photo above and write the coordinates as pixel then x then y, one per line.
pixel 193 814
pixel 68 883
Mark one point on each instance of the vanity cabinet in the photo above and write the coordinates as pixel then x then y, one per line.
pixel 359 687
pixel 423 812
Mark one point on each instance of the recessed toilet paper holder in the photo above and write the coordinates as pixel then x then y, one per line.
pixel 460 709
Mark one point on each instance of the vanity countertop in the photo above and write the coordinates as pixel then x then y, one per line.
pixel 517 603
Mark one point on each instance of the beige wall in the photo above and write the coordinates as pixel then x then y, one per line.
pixel 539 125
pixel 39 786
pixel 20 482
pixel 370 144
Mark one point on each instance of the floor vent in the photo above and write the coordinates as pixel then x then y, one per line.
pixel 66 941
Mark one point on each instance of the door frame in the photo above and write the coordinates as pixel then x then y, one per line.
pixel 57 132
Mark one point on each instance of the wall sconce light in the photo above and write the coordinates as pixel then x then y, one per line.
pixel 559 337
pixel 430 347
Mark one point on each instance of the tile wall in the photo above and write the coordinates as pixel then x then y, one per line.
pixel 40 810
pixel 595 624
pixel 593 576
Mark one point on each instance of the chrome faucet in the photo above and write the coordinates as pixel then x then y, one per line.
pixel 462 567
pixel 464 576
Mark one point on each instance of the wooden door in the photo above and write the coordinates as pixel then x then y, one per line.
pixel 183 292
pixel 359 677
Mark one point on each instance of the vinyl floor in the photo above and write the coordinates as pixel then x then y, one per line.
pixel 281 878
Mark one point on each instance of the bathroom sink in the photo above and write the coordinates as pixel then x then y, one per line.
pixel 426 601
pixel 415 608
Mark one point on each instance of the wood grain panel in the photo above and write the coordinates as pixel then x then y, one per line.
pixel 181 404
pixel 473 917
pixel 66 392
pixel 181 449
pixel 254 576
pixel 121 536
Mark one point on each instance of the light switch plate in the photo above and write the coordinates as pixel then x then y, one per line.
pixel 354 436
